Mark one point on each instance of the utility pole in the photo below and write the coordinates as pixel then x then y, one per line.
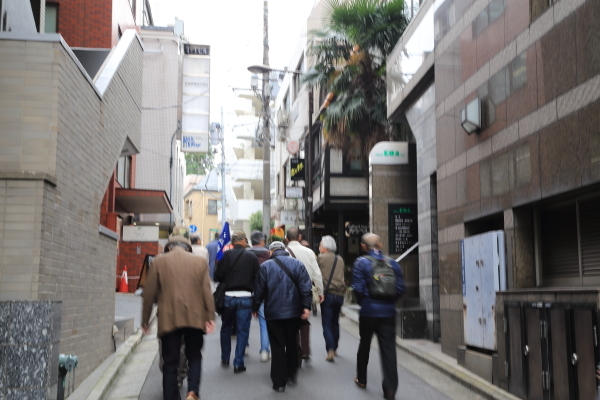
pixel 266 223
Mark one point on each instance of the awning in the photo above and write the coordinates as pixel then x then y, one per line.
pixel 141 201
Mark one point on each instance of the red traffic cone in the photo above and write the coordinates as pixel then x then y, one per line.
pixel 124 285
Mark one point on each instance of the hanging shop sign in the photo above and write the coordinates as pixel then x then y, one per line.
pixel 389 153
pixel 294 192
pixel 403 228
pixel 354 228
pixel 297 169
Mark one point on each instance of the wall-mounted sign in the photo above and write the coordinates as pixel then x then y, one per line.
pixel 297 169
pixel 294 192
pixel 403 228
pixel 196 49
pixel 133 233
pixel 289 218
pixel 195 89
pixel 194 142
pixel 355 228
pixel 389 153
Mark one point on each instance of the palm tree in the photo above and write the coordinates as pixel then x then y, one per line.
pixel 349 57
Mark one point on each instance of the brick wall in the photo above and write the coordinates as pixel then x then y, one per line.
pixel 93 23
pixel 132 254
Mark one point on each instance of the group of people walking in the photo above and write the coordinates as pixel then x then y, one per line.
pixel 277 285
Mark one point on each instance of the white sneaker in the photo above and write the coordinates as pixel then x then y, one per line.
pixel 265 356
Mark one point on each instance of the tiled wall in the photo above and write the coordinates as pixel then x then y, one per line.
pixel 542 137
pixel 50 210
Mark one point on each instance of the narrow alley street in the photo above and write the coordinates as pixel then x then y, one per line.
pixel 317 379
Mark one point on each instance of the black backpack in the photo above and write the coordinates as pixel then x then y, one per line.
pixel 383 280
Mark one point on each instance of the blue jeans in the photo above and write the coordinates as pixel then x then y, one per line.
pixel 240 309
pixel 330 317
pixel 264 334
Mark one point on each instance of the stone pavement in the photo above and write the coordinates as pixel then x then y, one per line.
pixel 317 379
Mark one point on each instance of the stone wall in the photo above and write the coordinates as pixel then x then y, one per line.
pixel 29 349
pixel 394 184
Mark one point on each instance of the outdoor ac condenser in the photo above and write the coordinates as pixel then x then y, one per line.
pixel 483 274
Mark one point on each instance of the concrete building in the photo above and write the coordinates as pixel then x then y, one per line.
pixel 201 206
pixel 502 98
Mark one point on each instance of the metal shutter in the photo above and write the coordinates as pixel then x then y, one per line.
pixel 560 256
pixel 589 216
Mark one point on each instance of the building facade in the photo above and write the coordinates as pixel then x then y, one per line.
pixel 502 98
pixel 62 134
pixel 201 207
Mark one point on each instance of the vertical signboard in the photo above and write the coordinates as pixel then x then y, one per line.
pixel 195 119
pixel 403 227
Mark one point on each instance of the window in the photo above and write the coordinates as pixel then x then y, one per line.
pixel 537 7
pixel 123 171
pixel 51 24
pixel 212 207
pixel 488 17
pixel 4 22
pixel 297 82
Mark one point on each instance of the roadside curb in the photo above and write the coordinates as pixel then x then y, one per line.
pixel 467 379
pixel 122 354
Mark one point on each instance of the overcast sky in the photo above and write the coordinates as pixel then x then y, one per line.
pixel 234 30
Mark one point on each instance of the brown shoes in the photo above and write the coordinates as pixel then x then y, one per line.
pixel 192 396
pixel 330 355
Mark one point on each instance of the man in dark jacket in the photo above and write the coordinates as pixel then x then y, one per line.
pixel 258 248
pixel 238 270
pixel 287 300
pixel 376 316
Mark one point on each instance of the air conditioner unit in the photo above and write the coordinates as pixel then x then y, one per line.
pixel 283 118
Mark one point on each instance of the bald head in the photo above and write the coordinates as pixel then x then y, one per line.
pixel 370 241
pixel 293 234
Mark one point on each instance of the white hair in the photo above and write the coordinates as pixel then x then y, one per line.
pixel 329 243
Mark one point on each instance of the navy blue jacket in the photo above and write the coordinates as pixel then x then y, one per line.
pixel 273 286
pixel 361 278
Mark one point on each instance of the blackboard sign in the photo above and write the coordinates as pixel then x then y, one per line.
pixel 403 227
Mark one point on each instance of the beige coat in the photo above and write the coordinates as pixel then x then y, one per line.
pixel 325 261
pixel 178 281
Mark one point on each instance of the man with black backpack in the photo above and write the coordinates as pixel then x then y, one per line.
pixel 377 282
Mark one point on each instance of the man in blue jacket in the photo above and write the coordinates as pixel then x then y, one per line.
pixel 285 287
pixel 376 316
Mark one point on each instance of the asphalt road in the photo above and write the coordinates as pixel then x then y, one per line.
pixel 318 379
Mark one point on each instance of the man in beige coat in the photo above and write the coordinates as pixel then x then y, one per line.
pixel 178 281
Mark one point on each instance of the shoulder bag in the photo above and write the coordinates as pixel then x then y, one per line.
pixel 330 275
pixel 219 293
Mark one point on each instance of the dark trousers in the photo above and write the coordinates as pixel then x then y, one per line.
pixel 303 338
pixel 330 317
pixel 284 351
pixel 385 329
pixel 171 346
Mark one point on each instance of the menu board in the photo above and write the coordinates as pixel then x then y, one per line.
pixel 403 227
